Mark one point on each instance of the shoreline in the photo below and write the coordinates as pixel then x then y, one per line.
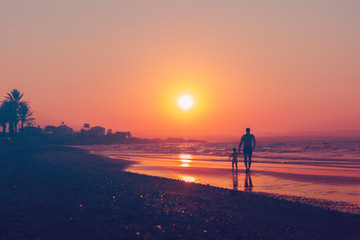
pixel 342 206
pixel 59 192
pixel 325 184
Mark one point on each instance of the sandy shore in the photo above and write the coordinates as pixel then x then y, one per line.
pixel 55 192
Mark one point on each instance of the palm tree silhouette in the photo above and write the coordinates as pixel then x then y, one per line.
pixel 12 102
pixel 25 114
pixel 3 117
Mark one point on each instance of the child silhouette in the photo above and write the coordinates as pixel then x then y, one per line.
pixel 233 156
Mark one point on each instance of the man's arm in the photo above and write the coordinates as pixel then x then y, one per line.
pixel 254 141
pixel 241 141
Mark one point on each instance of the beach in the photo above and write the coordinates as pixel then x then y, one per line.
pixel 59 192
pixel 320 169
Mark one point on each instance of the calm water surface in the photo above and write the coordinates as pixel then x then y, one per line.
pixel 315 169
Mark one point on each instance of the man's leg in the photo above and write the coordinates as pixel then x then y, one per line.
pixel 250 155
pixel 245 160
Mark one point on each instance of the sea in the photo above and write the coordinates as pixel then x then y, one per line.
pixel 316 169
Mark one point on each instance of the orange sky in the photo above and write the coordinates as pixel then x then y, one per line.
pixel 276 66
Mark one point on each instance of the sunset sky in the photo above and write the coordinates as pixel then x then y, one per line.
pixel 275 66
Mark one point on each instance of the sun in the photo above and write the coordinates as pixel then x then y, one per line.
pixel 185 102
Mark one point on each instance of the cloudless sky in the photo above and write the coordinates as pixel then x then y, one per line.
pixel 276 66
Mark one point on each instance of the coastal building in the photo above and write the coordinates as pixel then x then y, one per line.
pixel 122 135
pixel 97 131
pixel 60 132
pixel 64 130
pixel 30 131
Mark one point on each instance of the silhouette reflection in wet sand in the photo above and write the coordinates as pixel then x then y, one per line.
pixel 248 183
pixel 235 179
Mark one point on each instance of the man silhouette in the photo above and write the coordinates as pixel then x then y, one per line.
pixel 248 140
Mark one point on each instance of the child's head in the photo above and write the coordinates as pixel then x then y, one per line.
pixel 234 149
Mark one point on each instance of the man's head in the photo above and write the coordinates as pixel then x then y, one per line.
pixel 247 130
pixel 234 149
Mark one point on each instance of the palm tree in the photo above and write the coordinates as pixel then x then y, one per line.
pixel 12 102
pixel 3 117
pixel 25 114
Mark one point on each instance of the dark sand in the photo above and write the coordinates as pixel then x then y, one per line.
pixel 65 193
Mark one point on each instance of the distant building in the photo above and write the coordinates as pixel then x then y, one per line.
pixel 31 131
pixel 50 129
pixel 97 131
pixel 122 135
pixel 61 132
pixel 64 130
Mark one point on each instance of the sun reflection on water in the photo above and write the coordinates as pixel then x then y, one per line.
pixel 185 159
pixel 185 156
pixel 188 179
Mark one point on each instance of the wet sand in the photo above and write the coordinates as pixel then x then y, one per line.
pixel 331 182
pixel 66 193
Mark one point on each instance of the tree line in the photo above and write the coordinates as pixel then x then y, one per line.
pixel 15 113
